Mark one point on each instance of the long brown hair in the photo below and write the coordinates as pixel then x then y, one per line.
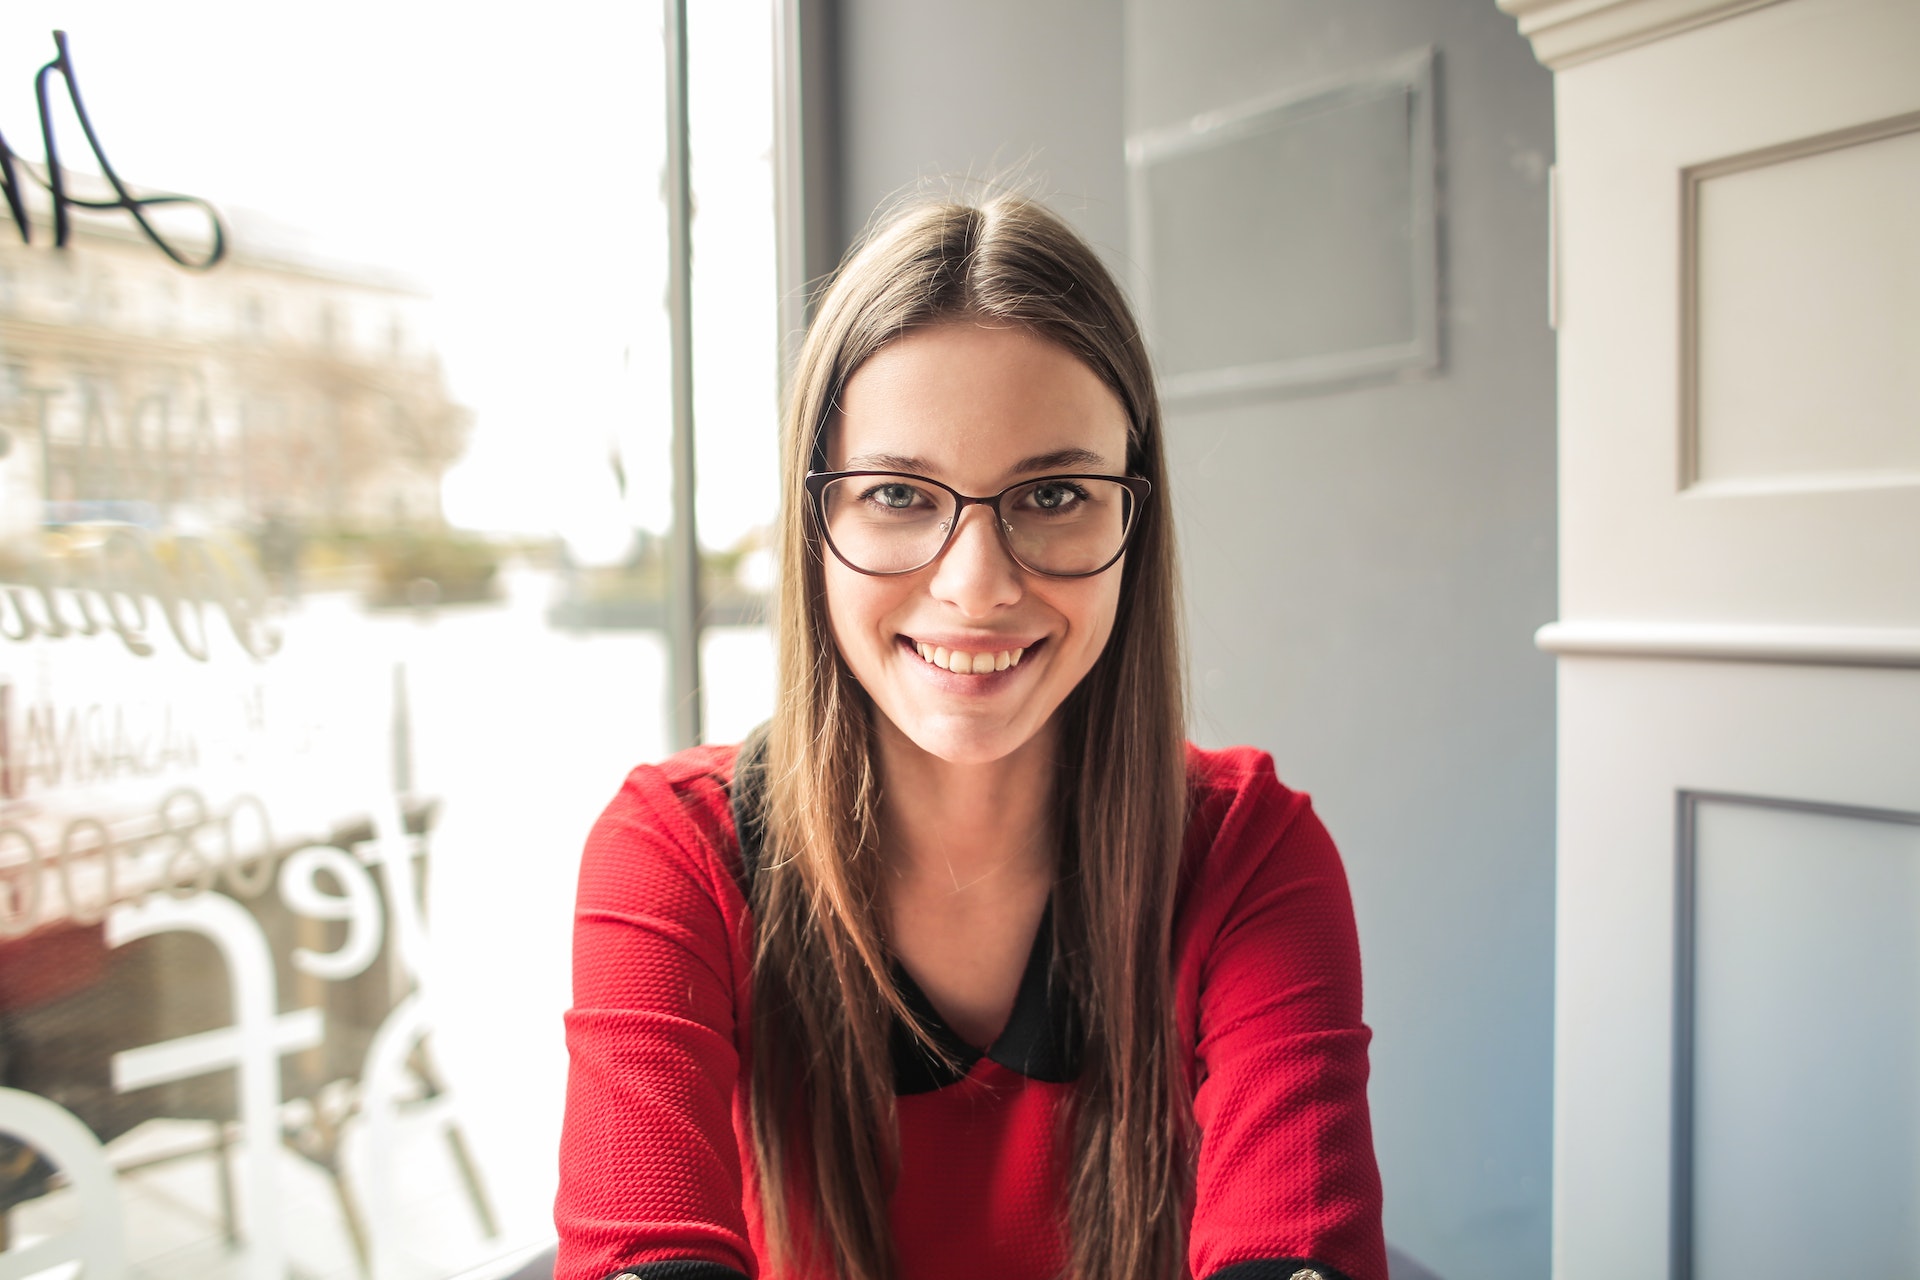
pixel 824 1126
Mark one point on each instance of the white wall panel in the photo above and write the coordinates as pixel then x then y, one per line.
pixel 1804 1087
pixel 1807 317
pixel 1638 543
pixel 1637 735
pixel 1737 995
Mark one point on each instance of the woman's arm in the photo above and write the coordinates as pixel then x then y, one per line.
pixel 650 1169
pixel 1286 1177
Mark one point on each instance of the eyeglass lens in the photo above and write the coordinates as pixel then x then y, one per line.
pixel 897 523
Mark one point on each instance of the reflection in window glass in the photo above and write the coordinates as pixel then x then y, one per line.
pixel 330 603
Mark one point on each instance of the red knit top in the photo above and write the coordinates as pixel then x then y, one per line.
pixel 1267 987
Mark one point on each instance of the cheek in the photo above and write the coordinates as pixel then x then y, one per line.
pixel 855 604
pixel 1096 612
pixel 840 608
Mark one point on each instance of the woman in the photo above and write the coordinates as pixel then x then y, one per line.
pixel 968 965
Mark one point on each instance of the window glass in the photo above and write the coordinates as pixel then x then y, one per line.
pixel 331 601
pixel 736 354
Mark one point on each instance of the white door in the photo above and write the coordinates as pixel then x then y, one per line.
pixel 1737 1079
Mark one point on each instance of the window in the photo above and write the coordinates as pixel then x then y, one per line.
pixel 333 588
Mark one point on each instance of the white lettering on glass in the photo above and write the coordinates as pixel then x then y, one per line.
pixel 96 1241
pixel 357 903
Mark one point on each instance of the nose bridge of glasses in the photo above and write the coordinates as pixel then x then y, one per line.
pixel 991 515
pixel 951 550
pixel 976 569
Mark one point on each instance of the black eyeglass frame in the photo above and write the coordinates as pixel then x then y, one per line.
pixel 1138 489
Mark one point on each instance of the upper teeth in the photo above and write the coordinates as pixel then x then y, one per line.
pixel 965 663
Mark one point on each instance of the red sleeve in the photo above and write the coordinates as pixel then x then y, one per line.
pixel 1286 1174
pixel 649 1164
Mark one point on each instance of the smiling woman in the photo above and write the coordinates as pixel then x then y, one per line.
pixel 968 964
pixel 970 402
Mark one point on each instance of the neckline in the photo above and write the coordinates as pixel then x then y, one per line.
pixel 1043 1036
pixel 1040 1040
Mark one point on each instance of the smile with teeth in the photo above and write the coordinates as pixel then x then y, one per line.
pixel 963 663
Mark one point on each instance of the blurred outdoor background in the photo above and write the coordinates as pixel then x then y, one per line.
pixel 399 464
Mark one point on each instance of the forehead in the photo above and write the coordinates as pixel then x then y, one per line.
pixel 968 403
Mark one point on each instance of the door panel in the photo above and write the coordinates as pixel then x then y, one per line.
pixel 1739 855
pixel 1738 977
pixel 1739 436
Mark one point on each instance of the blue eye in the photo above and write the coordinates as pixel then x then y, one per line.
pixel 1057 495
pixel 897 496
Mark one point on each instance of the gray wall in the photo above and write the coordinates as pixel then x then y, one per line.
pixel 1364 568
pixel 933 92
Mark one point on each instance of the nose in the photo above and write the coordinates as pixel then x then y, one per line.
pixel 975 574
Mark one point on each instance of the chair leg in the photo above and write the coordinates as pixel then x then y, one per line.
pixel 356 1226
pixel 420 1062
pixel 469 1174
pixel 223 1166
pixel 318 1140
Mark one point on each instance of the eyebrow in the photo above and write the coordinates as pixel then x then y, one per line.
pixel 1059 459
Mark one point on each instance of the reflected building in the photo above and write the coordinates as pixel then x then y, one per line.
pixel 197 845
pixel 276 386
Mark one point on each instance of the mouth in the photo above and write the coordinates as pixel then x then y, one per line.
pixel 967 662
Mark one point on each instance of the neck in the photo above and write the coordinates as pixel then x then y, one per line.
pixel 977 830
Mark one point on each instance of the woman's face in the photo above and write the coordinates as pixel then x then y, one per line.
pixel 979 408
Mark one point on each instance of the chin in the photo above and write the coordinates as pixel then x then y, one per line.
pixel 964 744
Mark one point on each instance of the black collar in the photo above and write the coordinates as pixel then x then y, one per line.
pixel 1042 1038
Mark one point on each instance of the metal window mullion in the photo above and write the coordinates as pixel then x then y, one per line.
pixel 806 148
pixel 683 544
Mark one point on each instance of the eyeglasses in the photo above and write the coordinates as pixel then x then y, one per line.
pixel 887 522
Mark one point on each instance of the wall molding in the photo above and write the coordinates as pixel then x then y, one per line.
pixel 1568 32
pixel 1734 642
pixel 1692 179
pixel 1410 76
pixel 1686 892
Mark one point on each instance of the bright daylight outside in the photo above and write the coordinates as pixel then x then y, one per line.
pixel 333 583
